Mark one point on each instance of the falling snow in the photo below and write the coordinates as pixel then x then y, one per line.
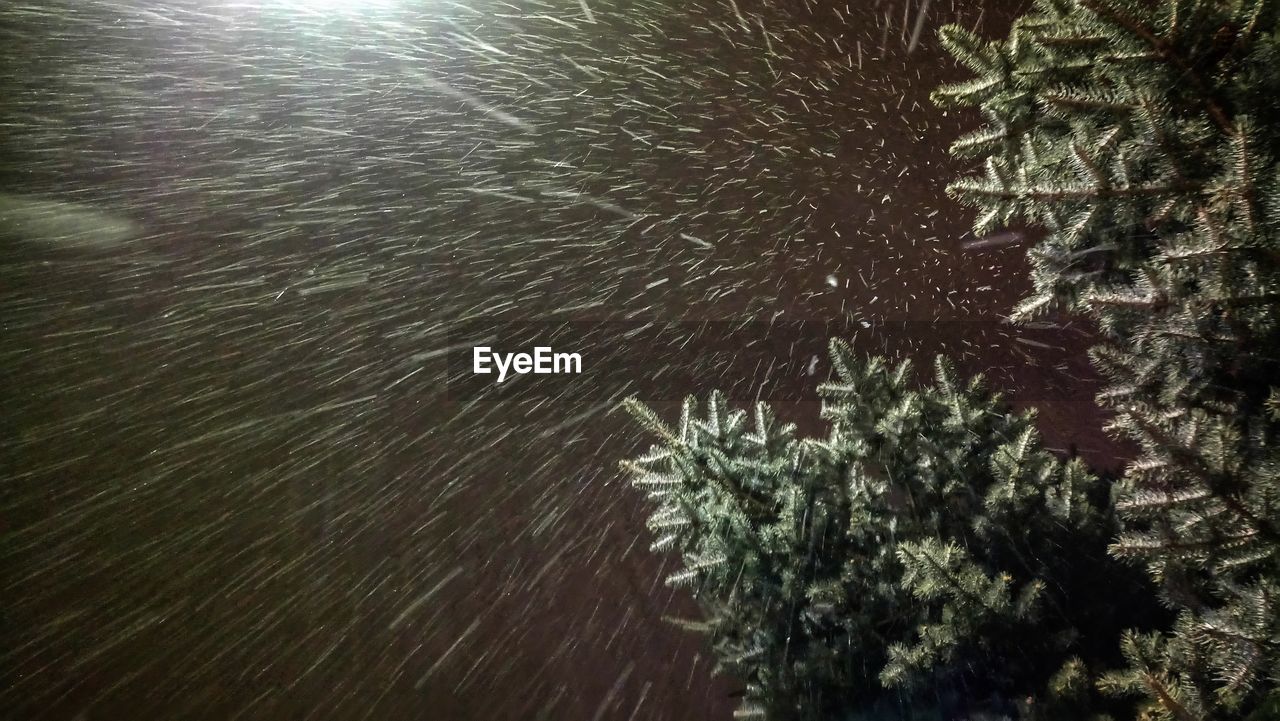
pixel 235 484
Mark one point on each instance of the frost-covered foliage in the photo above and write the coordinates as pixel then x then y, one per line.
pixel 926 553
pixel 1143 136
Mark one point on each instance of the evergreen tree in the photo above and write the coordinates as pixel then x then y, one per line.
pixel 1143 136
pixel 926 553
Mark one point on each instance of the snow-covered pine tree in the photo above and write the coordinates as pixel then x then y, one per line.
pixel 1143 137
pixel 927 552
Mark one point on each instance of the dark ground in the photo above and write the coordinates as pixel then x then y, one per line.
pixel 235 483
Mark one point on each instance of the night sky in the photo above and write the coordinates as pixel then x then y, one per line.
pixel 243 474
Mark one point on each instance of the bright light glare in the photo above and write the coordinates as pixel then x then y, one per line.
pixel 340 5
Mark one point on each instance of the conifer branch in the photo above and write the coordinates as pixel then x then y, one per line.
pixel 1147 159
pixel 835 579
pixel 1166 52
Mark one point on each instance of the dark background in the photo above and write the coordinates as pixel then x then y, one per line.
pixel 235 485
